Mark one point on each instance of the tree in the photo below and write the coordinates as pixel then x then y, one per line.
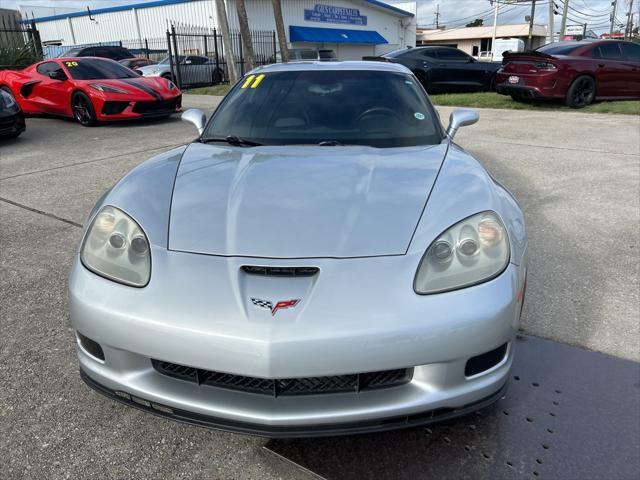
pixel 282 39
pixel 221 13
pixel 476 23
pixel 245 34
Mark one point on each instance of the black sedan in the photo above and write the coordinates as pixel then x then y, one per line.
pixel 11 116
pixel 444 69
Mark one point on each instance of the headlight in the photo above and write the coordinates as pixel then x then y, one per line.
pixel 116 247
pixel 172 85
pixel 7 100
pixel 107 88
pixel 470 252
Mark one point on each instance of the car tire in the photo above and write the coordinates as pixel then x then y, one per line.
pixel 217 76
pixel 492 84
pixel 581 93
pixel 82 110
pixel 169 77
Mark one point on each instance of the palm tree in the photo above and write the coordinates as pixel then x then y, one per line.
pixel 245 34
pixel 282 39
pixel 221 13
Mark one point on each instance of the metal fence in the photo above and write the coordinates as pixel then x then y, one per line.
pixel 20 45
pixel 197 55
pixel 155 49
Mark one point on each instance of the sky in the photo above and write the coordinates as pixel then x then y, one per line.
pixel 452 12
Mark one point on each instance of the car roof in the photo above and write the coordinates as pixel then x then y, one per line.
pixel 340 66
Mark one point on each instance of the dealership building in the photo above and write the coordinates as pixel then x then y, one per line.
pixel 352 28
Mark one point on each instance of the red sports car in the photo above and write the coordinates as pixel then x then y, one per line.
pixel 576 72
pixel 91 90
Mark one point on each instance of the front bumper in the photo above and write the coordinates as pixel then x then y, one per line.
pixel 113 110
pixel 324 430
pixel 195 315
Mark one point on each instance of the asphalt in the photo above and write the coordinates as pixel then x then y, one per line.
pixel 576 176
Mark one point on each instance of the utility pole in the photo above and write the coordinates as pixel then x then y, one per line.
pixel 550 27
pixel 229 57
pixel 533 14
pixel 245 34
pixel 614 7
pixel 496 5
pixel 437 16
pixel 627 30
pixel 282 38
pixel 563 25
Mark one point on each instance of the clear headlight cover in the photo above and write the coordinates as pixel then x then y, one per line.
pixel 115 247
pixel 470 252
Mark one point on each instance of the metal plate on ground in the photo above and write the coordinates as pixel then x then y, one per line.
pixel 568 414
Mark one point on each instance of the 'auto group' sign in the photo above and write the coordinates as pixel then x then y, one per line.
pixel 333 14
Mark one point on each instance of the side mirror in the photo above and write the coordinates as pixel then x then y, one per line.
pixel 197 117
pixel 57 75
pixel 461 118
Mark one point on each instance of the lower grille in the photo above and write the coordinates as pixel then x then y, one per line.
pixel 163 106
pixel 114 108
pixel 287 386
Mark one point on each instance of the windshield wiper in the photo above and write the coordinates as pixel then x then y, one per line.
pixel 232 140
pixel 330 143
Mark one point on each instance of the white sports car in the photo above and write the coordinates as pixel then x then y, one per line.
pixel 322 260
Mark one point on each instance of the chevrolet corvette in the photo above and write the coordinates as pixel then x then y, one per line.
pixel 91 90
pixel 322 260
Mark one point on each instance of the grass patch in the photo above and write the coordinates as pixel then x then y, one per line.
pixel 493 100
pixel 219 90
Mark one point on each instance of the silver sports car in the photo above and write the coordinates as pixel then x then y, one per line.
pixel 322 260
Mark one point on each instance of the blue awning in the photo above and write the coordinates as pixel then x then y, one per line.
pixel 334 35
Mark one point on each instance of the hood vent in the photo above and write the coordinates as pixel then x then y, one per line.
pixel 280 271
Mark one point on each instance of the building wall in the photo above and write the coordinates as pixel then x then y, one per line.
pixel 466 45
pixel 153 22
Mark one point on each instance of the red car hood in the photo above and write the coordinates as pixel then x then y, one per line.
pixel 155 87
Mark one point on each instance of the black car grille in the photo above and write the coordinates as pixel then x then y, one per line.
pixel 287 386
pixel 114 107
pixel 280 271
pixel 160 106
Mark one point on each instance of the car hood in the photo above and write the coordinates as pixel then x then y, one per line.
pixel 297 202
pixel 155 88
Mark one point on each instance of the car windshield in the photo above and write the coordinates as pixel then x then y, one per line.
pixel 332 107
pixel 559 48
pixel 94 69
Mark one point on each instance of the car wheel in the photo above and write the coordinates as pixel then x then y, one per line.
pixel 492 84
pixel 83 110
pixel 581 93
pixel 169 77
pixel 217 76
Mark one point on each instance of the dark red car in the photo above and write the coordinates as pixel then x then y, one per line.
pixel 91 90
pixel 576 72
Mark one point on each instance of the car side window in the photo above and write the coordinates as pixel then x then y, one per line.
pixel 607 51
pixel 308 55
pixel 431 54
pixel 198 60
pixel 631 52
pixel 47 67
pixel 87 52
pixel 453 55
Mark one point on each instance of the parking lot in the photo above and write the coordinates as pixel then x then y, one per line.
pixel 576 176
